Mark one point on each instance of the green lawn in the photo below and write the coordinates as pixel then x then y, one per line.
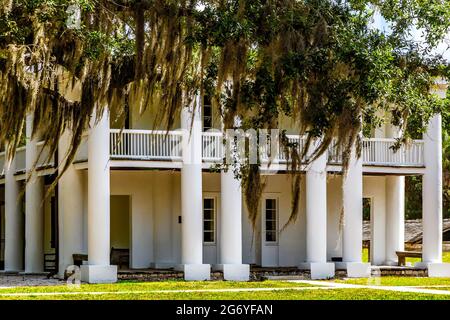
pixel 152 286
pixel 172 290
pixel 445 257
pixel 336 294
pixel 399 281
pixel 203 290
pixel 127 291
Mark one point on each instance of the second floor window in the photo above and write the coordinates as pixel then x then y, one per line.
pixel 209 220
pixel 207 114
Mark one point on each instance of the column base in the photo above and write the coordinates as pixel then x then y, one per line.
pixel 435 269
pixel 234 272
pixel 195 272
pixel 355 269
pixel 98 274
pixel 319 270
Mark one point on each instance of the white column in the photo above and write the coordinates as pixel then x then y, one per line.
pixel 316 219
pixel 14 219
pixel 70 208
pixel 395 217
pixel 34 206
pixel 231 228
pixel 99 269
pixel 432 201
pixel 353 222
pixel 191 196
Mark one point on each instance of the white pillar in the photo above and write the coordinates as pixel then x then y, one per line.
pixel 34 206
pixel 395 217
pixel 191 196
pixel 353 221
pixel 99 269
pixel 231 228
pixel 432 201
pixel 14 219
pixel 70 208
pixel 316 219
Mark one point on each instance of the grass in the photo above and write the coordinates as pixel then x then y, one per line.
pixel 399 281
pixel 171 290
pixel 283 290
pixel 445 257
pixel 153 286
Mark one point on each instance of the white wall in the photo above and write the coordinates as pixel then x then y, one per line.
pixel 155 207
pixel 375 189
pixel 138 185
pixel 334 208
pixel 291 249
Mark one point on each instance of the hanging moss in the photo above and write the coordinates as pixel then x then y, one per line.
pixel 317 62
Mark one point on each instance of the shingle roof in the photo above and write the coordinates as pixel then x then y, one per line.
pixel 413 230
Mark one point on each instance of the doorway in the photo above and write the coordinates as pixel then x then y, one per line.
pixel 120 231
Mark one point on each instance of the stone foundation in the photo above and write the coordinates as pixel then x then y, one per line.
pixel 260 274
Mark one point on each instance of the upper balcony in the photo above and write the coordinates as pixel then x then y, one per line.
pixel 161 149
pixel 44 166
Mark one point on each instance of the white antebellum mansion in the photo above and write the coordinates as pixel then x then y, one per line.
pixel 153 195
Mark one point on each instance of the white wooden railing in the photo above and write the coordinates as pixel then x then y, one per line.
pixel 44 159
pixel 167 146
pixel 20 159
pixel 375 151
pixel 146 144
pixel 378 151
pixel 212 146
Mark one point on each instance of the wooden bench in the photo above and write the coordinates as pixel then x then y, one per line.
pixel 120 257
pixel 402 255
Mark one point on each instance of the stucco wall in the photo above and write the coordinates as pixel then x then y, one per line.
pixel 375 189
pixel 334 208
pixel 290 250
pixel 155 208
pixel 138 185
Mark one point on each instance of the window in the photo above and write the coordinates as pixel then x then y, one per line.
pixel 271 209
pixel 209 220
pixel 207 114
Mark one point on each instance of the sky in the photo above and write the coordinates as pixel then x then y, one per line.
pixel 416 34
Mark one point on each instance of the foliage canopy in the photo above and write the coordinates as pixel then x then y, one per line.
pixel 321 62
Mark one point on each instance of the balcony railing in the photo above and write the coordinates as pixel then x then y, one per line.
pixel 44 160
pixel 146 144
pixel 162 145
pixel 167 146
pixel 377 151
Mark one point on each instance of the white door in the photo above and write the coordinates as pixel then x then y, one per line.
pixel 269 231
